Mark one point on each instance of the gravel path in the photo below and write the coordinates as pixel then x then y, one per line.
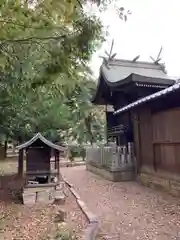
pixel 127 210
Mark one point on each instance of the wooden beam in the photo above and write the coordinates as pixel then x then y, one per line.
pixel 20 163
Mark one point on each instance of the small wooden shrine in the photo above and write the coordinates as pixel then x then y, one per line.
pixel 42 171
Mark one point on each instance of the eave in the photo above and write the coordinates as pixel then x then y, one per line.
pixel 43 139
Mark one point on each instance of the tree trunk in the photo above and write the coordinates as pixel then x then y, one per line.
pixel 88 126
pixel 5 148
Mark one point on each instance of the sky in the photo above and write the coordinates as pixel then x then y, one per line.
pixel 152 24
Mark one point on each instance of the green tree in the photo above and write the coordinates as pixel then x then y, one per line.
pixel 45 82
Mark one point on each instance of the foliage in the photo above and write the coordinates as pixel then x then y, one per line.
pixel 45 48
pixel 45 81
pixel 89 120
pixel 76 151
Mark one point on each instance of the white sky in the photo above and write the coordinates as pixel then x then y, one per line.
pixel 152 24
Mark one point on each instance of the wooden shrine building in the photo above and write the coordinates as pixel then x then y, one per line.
pixel 122 82
pixel 157 137
pixel 145 110
pixel 42 160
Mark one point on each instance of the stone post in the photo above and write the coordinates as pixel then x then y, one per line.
pixel 114 157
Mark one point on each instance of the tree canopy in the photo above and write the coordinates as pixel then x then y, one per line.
pixel 45 81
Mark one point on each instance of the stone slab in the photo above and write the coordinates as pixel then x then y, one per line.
pixel 29 198
pixel 42 196
pixel 38 189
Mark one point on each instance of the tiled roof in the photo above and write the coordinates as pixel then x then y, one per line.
pixel 156 95
pixel 121 69
pixel 43 139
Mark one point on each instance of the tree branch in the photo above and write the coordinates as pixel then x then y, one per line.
pixel 24 26
pixel 79 3
pixel 31 39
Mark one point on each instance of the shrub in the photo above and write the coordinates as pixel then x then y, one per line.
pixel 76 152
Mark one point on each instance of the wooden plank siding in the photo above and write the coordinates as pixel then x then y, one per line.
pixel 145 132
pixel 157 139
pixel 166 140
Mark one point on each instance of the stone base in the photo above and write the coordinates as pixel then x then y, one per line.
pixel 44 194
pixel 29 198
pixel 119 176
pixel 160 180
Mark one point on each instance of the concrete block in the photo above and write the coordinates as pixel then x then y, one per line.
pixel 42 196
pixel 29 198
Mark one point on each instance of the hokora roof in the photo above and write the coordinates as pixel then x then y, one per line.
pixel 43 139
pixel 118 70
pixel 149 98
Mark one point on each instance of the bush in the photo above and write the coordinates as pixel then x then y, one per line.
pixel 76 152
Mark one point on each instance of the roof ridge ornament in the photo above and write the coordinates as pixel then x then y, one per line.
pixel 136 58
pixel 109 55
pixel 158 59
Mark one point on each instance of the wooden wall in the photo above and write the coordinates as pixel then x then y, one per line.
pixel 157 139
pixel 166 140
pixel 145 138
pixel 38 159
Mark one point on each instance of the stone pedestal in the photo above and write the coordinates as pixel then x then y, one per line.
pixel 45 194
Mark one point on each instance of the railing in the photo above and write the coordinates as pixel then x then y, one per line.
pixel 116 130
pixel 114 158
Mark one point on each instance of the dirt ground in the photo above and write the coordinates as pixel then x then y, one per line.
pixel 127 210
pixel 20 222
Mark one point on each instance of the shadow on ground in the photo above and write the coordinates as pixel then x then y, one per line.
pixel 10 188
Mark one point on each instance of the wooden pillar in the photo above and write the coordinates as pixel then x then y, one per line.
pixel 137 142
pixel 20 163
pixel 58 166
pixel 56 159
